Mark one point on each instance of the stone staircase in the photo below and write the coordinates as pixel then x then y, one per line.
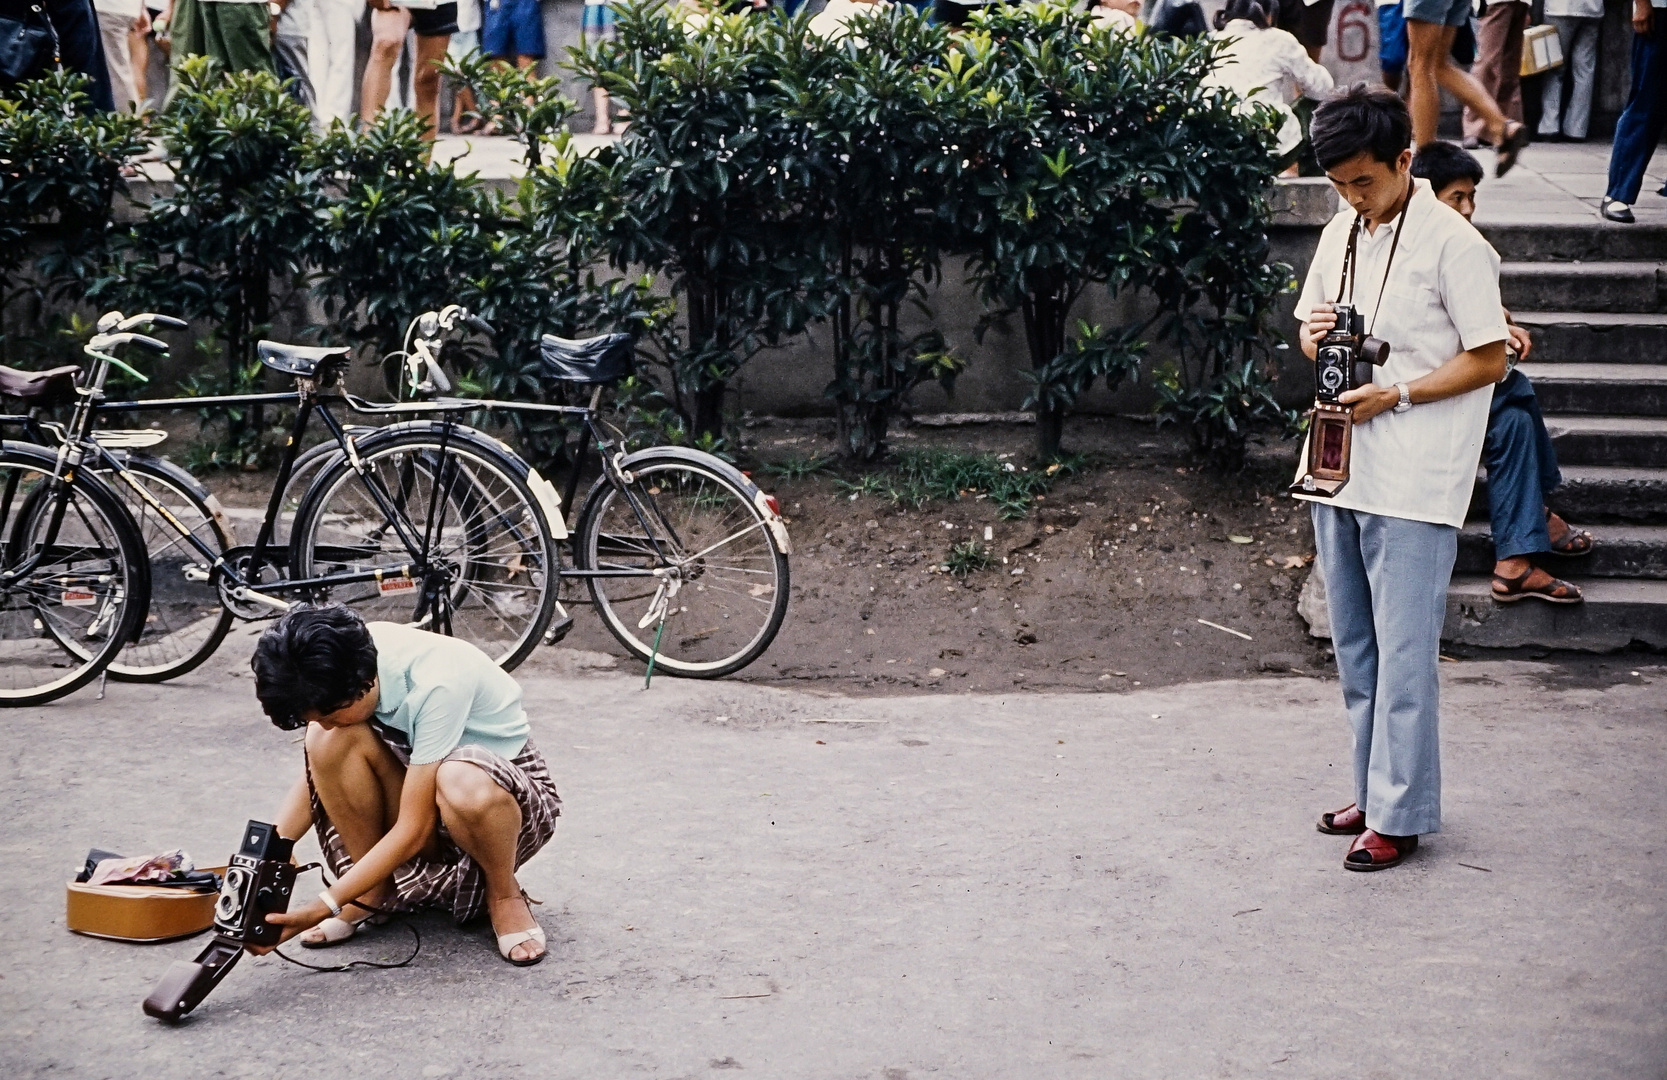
pixel 1594 297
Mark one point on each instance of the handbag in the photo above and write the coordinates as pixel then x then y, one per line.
pixel 24 49
pixel 1542 50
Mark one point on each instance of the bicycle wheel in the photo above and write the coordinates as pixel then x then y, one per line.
pixel 704 532
pixel 185 622
pixel 85 581
pixel 491 570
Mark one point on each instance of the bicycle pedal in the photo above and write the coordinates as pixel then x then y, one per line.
pixel 558 630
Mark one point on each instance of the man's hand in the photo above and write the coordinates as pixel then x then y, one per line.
pixel 1370 400
pixel 293 922
pixel 1642 16
pixel 1519 340
pixel 1321 321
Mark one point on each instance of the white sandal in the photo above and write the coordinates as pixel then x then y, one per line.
pixel 335 931
pixel 507 942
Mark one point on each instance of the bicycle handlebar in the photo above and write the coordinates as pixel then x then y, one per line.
pixel 150 318
pixel 153 344
pixel 478 324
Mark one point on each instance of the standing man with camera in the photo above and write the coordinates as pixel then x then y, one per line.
pixel 1425 282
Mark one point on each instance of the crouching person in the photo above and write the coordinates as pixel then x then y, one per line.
pixel 419 777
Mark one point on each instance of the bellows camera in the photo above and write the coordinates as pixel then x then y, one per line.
pixel 259 880
pixel 1343 361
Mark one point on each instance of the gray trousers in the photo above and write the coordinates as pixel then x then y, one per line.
pixel 1386 588
pixel 1579 38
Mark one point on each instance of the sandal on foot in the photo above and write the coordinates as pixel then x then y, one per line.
pixel 1554 591
pixel 335 932
pixel 507 942
pixel 1510 149
pixel 1375 851
pixel 1575 542
pixel 1345 822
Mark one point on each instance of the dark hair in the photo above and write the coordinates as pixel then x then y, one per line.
pixel 1363 119
pixel 1264 13
pixel 313 660
pixel 1443 163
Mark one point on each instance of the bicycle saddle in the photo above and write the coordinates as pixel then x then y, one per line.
pixel 599 359
pixel 54 386
pixel 303 361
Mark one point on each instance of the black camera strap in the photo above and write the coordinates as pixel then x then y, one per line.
pixel 1351 257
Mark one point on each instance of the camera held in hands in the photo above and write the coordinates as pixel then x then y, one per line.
pixel 259 880
pixel 1343 361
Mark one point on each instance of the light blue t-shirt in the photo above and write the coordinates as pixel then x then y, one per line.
pixel 440 692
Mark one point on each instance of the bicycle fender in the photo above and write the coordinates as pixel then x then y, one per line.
pixel 549 499
pixel 759 498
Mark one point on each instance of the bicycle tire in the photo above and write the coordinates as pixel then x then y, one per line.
pixel 609 535
pixel 101 568
pixel 502 587
pixel 169 645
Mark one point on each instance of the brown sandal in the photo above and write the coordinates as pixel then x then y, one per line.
pixel 1556 591
pixel 1348 821
pixel 1575 542
pixel 1510 149
pixel 1375 851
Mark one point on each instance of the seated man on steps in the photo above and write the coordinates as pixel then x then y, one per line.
pixel 418 776
pixel 1521 463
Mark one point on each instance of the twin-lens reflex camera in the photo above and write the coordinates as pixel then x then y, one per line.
pixel 1343 361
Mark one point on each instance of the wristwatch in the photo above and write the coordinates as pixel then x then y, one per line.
pixel 1406 398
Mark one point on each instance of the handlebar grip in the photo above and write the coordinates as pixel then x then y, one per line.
pixel 150 343
pixel 169 321
pixel 479 325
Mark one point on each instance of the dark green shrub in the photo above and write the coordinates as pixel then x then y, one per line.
pixel 709 188
pixel 60 170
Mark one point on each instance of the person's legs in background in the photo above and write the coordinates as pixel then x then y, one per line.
pixel 1522 471
pixel 425 79
pixel 598 25
pixel 1639 129
pixel 81 46
pixel 1309 23
pixel 1498 63
pixel 332 55
pixel 388 26
pixel 1579 40
pixel 116 28
pixel 290 51
pixel 1392 44
pixel 1431 26
pixel 461 45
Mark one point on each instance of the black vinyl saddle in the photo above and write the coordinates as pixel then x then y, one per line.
pixel 54 386
pixel 303 361
pixel 600 359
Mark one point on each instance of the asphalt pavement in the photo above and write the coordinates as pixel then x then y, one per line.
pixel 1121 884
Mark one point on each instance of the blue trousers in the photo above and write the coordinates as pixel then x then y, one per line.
pixel 80 44
pixel 1522 467
pixel 1386 589
pixel 1641 123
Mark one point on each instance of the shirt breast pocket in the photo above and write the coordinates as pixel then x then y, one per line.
pixel 1407 309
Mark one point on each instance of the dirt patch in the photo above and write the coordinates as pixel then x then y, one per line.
pixel 1101 586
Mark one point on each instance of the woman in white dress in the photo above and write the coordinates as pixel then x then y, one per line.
pixel 1266 65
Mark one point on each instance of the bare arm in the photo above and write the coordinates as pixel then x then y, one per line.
pixel 295 813
pixel 1470 370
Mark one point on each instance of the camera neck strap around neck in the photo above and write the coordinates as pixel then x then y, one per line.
pixel 1351 256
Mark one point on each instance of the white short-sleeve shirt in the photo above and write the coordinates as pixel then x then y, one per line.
pixel 1441 298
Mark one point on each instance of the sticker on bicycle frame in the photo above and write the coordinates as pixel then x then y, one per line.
pixel 396 586
pixel 77 598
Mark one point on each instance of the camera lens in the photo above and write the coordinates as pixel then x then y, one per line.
pixel 1331 377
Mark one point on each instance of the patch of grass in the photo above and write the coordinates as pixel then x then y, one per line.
pixel 799 466
pixel 919 476
pixel 968 557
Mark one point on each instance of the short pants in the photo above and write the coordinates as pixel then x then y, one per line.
pixel 1308 23
pixel 1440 12
pixel 1392 38
pixel 598 23
pixel 438 21
pixel 511 28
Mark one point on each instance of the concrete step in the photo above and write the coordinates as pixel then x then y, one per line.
pixel 1538 242
pixel 1595 336
pixel 1590 286
pixel 1608 440
pixel 1629 389
pixel 1618 551
pixel 1598 494
pixel 1616 613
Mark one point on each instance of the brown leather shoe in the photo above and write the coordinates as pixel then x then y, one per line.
pixel 1345 822
pixel 1375 851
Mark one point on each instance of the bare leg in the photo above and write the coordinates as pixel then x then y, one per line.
pixel 358 780
pixel 604 123
pixel 425 81
pixel 1430 68
pixel 387 30
pixel 485 821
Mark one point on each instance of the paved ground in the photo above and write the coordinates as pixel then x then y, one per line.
pixel 1112 885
